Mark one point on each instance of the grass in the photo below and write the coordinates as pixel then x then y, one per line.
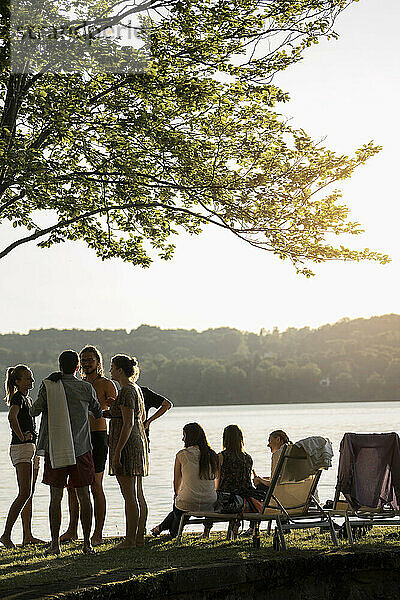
pixel 28 569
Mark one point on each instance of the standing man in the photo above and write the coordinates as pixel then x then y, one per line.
pixel 153 400
pixel 92 372
pixel 64 440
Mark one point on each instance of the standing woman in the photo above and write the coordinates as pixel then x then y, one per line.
pixel 19 381
pixel 128 447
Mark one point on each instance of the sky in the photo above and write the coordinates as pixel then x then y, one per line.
pixel 347 91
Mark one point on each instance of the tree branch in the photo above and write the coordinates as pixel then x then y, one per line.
pixel 65 223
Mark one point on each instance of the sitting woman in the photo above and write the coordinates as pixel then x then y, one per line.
pixel 234 464
pixel 196 467
pixel 277 439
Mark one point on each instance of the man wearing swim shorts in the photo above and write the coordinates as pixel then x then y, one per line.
pixel 92 372
pixel 80 398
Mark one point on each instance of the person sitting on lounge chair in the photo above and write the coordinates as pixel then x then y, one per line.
pixel 234 463
pixel 196 467
pixel 277 439
pixel 234 475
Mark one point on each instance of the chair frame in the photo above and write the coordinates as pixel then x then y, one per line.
pixel 363 517
pixel 287 519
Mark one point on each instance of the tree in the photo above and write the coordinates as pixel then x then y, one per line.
pixel 125 161
pixel 392 379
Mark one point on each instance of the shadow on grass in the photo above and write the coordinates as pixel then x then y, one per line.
pixel 20 569
pixel 27 569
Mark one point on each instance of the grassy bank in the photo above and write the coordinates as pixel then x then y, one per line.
pixel 30 573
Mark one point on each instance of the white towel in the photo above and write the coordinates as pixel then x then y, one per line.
pixel 61 444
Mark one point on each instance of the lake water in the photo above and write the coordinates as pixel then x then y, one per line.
pixel 256 422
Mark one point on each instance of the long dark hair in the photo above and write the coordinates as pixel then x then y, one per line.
pixel 195 436
pixel 232 440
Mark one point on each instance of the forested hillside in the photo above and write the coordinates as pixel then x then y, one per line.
pixel 348 361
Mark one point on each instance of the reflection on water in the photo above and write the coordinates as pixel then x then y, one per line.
pixel 299 421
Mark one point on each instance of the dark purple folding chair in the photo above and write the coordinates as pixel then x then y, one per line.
pixel 368 483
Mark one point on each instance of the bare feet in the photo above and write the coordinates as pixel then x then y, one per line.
pixel 96 541
pixel 156 531
pixel 6 541
pixel 53 549
pixel 125 544
pixel 32 541
pixel 69 536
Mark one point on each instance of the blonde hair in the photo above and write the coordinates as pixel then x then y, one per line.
pixel 12 376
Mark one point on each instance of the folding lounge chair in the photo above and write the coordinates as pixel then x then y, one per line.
pixel 291 499
pixel 287 502
pixel 368 483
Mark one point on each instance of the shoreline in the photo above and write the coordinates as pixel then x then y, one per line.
pixel 5 408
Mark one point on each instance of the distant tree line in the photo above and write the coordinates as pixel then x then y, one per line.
pixel 352 360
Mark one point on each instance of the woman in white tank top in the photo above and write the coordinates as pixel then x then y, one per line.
pixel 196 467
